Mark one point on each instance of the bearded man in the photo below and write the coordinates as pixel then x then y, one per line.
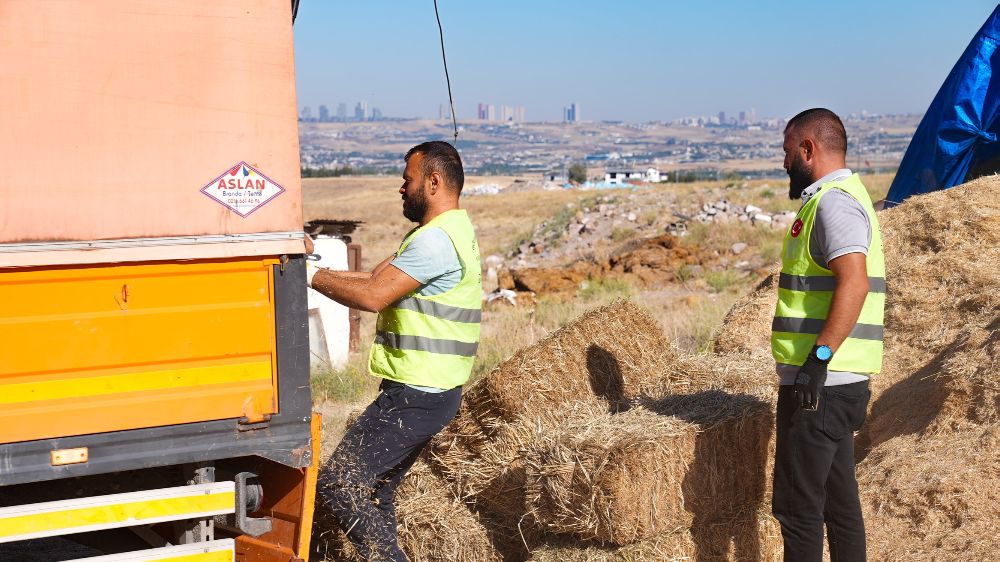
pixel 428 298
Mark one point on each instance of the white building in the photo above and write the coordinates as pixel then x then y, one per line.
pixel 621 177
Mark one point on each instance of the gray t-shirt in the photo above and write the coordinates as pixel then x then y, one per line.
pixel 842 227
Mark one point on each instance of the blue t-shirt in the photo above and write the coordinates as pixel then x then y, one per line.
pixel 431 259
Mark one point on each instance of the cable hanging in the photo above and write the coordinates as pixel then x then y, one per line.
pixel 451 100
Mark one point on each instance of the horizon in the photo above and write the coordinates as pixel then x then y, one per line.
pixel 634 72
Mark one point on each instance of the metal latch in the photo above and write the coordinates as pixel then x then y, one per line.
pixel 249 498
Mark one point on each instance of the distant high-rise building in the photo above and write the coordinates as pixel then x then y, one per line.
pixel 444 111
pixel 752 116
pixel 722 118
pixel 743 118
pixel 341 111
pixel 506 113
pixel 519 114
pixel 481 112
pixel 571 113
pixel 376 114
pixel 491 112
pixel 324 114
pixel 305 114
pixel 361 111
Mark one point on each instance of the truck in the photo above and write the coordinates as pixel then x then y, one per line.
pixel 154 351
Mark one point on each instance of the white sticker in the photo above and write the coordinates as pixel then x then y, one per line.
pixel 243 189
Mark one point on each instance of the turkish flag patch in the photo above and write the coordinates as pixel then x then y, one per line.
pixel 796 228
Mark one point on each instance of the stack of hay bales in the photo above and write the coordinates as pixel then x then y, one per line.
pixel 929 447
pixel 606 433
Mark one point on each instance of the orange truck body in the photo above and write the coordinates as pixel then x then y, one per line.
pixel 152 297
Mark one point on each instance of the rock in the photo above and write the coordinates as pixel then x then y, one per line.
pixel 752 210
pixel 547 280
pixel 738 248
pixel 493 261
pixel 505 279
pixel 631 217
pixel 761 217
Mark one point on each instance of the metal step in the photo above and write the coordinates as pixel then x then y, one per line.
pixel 96 513
pixel 223 550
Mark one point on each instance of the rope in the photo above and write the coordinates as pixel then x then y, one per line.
pixel 451 100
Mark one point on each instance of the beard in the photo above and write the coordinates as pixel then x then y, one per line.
pixel 799 178
pixel 415 205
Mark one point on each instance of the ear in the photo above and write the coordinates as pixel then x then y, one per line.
pixel 808 148
pixel 435 182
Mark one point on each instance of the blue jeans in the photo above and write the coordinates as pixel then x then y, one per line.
pixel 374 456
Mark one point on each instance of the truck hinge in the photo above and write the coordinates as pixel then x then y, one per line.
pixel 260 421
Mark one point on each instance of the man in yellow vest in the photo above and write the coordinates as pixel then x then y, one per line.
pixel 428 297
pixel 826 338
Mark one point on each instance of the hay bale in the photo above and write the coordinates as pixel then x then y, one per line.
pixel 434 526
pixel 669 464
pixel 602 357
pixel 747 326
pixel 933 498
pixel 762 543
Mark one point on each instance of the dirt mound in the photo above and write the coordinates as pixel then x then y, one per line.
pixel 649 262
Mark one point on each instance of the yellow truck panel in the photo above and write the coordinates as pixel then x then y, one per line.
pixel 112 348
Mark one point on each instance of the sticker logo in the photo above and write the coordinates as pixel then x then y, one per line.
pixel 796 228
pixel 243 189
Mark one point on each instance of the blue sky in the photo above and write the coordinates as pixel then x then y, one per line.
pixel 632 60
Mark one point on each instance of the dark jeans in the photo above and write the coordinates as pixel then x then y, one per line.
pixel 361 477
pixel 814 479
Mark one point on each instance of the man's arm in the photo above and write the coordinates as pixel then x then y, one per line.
pixel 370 292
pixel 358 274
pixel 851 272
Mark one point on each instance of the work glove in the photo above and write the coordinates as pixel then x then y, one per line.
pixel 810 380
pixel 311 270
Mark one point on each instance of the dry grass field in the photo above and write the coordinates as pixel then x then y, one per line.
pixel 689 311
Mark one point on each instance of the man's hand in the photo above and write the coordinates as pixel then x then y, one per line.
pixel 809 382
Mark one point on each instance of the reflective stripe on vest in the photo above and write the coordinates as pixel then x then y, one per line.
pixel 822 283
pixel 805 293
pixel 815 326
pixel 432 340
pixel 420 343
pixel 440 310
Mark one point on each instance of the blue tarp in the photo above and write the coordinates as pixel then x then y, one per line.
pixel 958 134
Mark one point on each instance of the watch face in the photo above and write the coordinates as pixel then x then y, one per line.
pixel 823 353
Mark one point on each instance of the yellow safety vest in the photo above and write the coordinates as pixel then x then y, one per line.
pixel 432 340
pixel 805 291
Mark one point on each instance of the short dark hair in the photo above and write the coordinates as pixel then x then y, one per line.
pixel 440 157
pixel 824 125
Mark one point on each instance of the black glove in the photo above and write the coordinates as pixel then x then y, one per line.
pixel 810 380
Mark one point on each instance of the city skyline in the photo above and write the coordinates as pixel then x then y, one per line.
pixel 643 61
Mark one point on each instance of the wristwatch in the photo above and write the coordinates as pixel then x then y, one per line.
pixel 822 353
